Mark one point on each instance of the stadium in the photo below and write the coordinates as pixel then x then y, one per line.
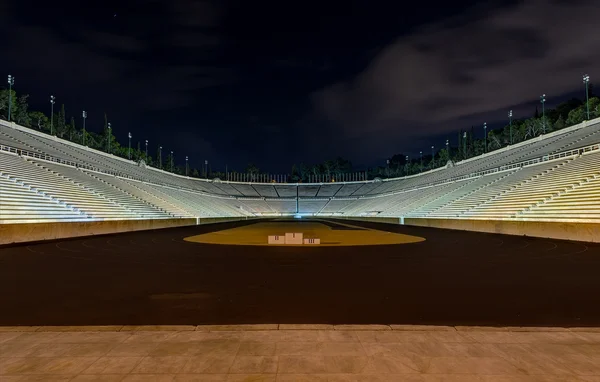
pixel 104 249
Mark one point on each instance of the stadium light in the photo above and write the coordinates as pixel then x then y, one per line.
pixel 108 137
pixel 465 144
pixel 160 157
pixel 11 83
pixel 543 102
pixel 146 150
pixel 510 125
pixel 432 154
pixel 586 81
pixel 186 165
pixel 206 168
pixel 52 115
pixel 171 161
pixel 421 154
pixel 129 149
pixel 84 115
pixel 485 135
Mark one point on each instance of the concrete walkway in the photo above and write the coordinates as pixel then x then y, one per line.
pixel 298 353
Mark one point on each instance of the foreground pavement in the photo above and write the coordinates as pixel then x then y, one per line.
pixel 298 353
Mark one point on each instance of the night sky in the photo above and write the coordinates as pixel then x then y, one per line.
pixel 282 82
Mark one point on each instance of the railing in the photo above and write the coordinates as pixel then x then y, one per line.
pixel 478 174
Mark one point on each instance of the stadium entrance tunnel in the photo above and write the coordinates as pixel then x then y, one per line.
pixel 330 234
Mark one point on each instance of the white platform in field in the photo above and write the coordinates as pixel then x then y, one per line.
pixel 293 238
pixel 276 239
pixel 312 241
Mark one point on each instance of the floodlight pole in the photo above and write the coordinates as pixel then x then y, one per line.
pixel 510 126
pixel 108 137
pixel 586 81
pixel 543 101
pixel 84 115
pixel 186 165
pixel 206 168
pixel 421 154
pixel 171 161
pixel 432 155
pixel 129 148
pixel 387 169
pixel 160 157
pixel 465 144
pixel 485 136
pixel 11 83
pixel 52 115
pixel 146 150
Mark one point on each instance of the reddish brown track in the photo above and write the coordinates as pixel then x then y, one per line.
pixel 453 278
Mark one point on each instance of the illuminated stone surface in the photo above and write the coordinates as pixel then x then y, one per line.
pixel 337 353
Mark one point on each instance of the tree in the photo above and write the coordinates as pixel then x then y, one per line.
pixel 560 123
pixel 20 114
pixel 4 103
pixel 576 116
pixel 494 141
pixel 533 128
pixel 61 122
pixel 252 170
pixel 594 107
pixel 71 129
pixel 39 120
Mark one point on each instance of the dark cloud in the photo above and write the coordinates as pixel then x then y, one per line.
pixel 115 42
pixel 274 84
pixel 451 70
pixel 197 13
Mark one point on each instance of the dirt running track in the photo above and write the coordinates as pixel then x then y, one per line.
pixel 452 278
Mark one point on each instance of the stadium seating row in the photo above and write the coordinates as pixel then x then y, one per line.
pixel 553 177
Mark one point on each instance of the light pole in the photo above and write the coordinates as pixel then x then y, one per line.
pixel 52 115
pixel 387 169
pixel 129 148
pixel 206 169
pixel 586 81
pixel 186 165
pixel 465 144
pixel 421 154
pixel 485 136
pixel 160 157
pixel 84 115
pixel 171 164
pixel 510 125
pixel 432 155
pixel 108 137
pixel 11 83
pixel 146 150
pixel 543 102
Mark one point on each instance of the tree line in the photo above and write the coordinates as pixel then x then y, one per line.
pixel 467 143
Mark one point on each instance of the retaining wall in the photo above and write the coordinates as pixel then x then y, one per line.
pixel 589 232
pixel 20 233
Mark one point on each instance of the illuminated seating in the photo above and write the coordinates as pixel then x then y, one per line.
pixel 20 204
pixel 62 189
pixel 543 178
pixel 540 188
